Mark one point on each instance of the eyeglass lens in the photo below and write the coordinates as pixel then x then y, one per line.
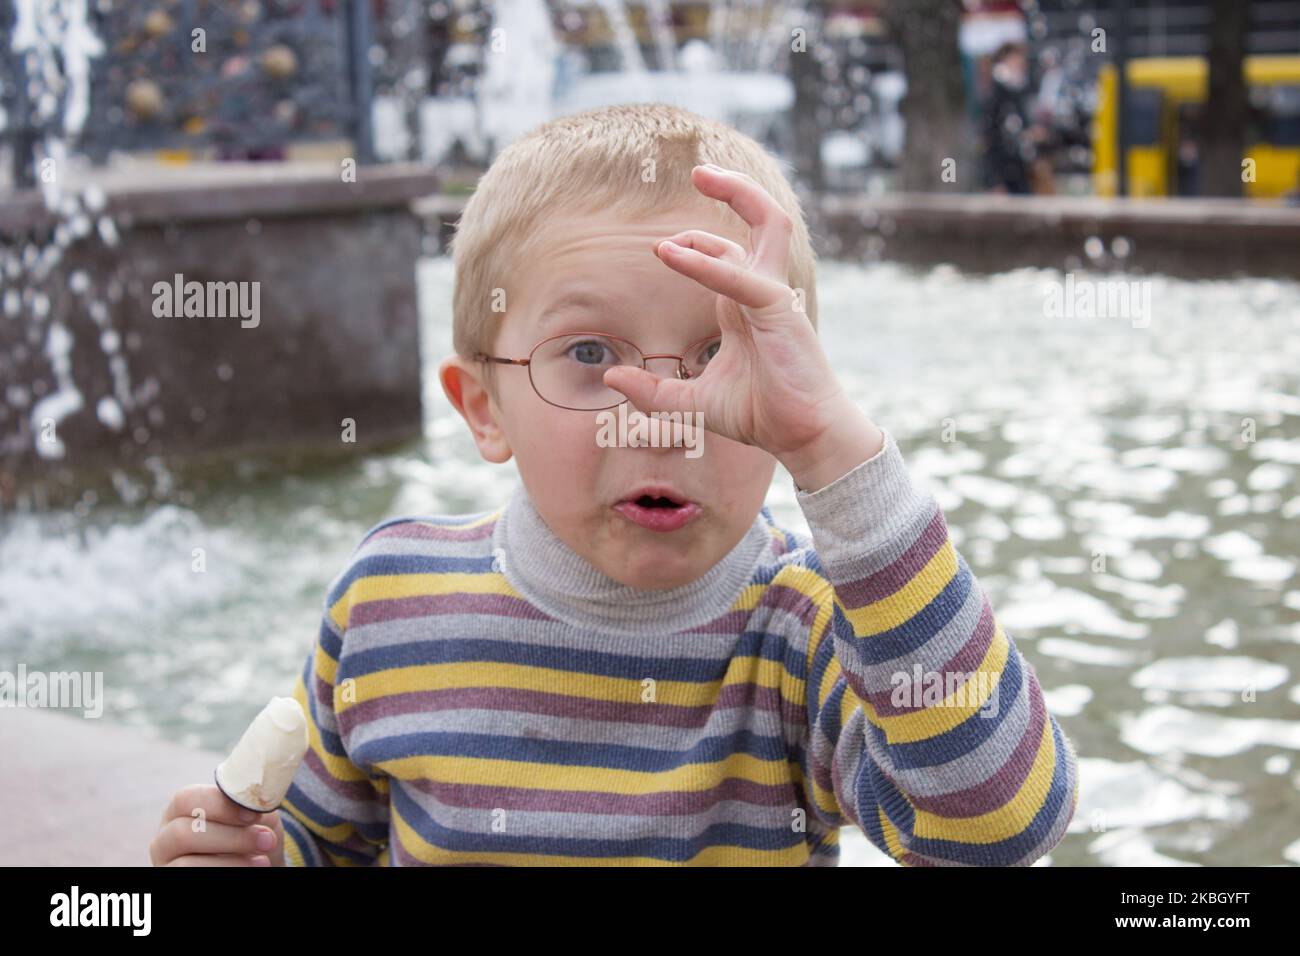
pixel 569 370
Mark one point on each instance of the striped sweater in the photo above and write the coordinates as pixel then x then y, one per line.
pixel 480 694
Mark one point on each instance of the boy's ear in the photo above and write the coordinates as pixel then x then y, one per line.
pixel 467 393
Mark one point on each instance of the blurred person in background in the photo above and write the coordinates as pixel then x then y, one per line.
pixel 1011 138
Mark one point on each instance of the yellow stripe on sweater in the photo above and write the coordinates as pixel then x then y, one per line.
pixel 1008 820
pixel 892 842
pixel 901 606
pixel 389 587
pixel 292 853
pixel 761 672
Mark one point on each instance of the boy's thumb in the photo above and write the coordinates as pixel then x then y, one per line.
pixel 648 393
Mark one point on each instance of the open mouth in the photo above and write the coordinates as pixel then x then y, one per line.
pixel 658 512
pixel 658 501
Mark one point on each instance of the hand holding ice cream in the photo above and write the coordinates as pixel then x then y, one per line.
pixel 241 826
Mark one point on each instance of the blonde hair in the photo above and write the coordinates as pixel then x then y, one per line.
pixel 627 160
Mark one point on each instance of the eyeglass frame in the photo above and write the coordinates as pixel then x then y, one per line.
pixel 682 371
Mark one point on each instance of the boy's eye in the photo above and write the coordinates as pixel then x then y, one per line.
pixel 701 355
pixel 590 351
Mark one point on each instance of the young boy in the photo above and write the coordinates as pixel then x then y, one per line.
pixel 630 662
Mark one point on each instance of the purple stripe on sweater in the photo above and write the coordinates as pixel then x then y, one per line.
pixel 430 605
pixel 359 844
pixel 782 597
pixel 324 691
pixel 434 532
pixel 895 576
pixel 734 622
pixel 398 852
pixel 830 778
pixel 967 660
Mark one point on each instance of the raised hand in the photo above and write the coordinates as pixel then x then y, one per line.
pixel 770 384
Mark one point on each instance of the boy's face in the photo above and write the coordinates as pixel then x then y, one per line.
pixel 600 274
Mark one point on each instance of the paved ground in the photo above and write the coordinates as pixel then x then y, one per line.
pixel 75 791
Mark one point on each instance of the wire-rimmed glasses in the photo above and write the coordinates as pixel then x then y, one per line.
pixel 567 370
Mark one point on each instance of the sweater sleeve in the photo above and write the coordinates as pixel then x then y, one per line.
pixel 926 726
pixel 335 813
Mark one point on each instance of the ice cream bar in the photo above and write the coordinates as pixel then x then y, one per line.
pixel 258 772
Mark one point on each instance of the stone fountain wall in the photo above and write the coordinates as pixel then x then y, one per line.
pixel 95 376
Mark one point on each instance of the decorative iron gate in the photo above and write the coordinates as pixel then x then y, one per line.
pixel 243 76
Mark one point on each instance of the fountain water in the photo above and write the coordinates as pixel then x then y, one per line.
pixel 739 78
pixel 520 71
pixel 629 51
pixel 50 51
pixel 660 19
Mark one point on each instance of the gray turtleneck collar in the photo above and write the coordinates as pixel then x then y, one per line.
pixel 565 585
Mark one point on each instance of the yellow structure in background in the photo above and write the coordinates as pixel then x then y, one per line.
pixel 1163 91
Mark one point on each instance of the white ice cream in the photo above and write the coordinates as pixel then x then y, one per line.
pixel 258 772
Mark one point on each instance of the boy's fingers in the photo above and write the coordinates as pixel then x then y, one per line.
pixel 742 285
pixel 216 806
pixel 178 838
pixel 770 225
pixel 710 245
pixel 209 859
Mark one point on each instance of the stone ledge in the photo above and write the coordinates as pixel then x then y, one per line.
pixel 1205 238
pixel 1196 238
pixel 990 210
pixel 221 191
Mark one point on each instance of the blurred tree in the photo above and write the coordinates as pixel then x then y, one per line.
pixel 1223 120
pixel 934 108
pixel 807 115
